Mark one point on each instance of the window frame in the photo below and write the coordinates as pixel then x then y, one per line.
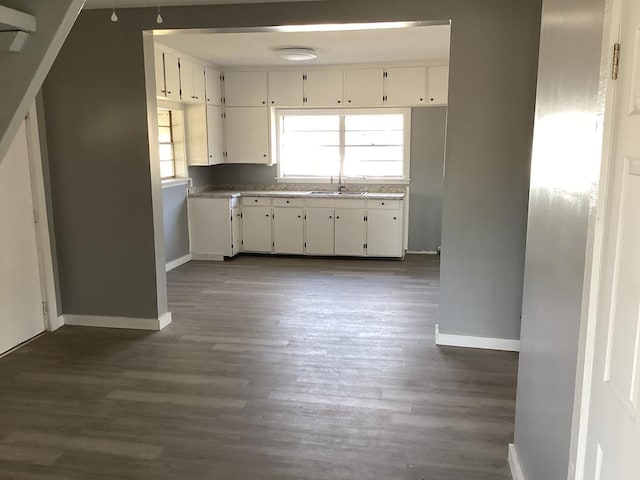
pixel 179 145
pixel 406 164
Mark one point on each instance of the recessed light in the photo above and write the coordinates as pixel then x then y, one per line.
pixel 297 54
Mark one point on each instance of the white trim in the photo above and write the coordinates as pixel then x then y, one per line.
pixel 118 322
pixel 422 252
pixel 175 182
pixel 178 262
pixel 211 257
pixel 487 343
pixel 17 20
pixel 514 463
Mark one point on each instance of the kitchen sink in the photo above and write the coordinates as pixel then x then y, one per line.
pixel 337 193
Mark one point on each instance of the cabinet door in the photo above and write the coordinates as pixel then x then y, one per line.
pixel 363 87
pixel 323 88
pixel 215 141
pixel 195 124
pixel 319 231
pixel 236 230
pixel 245 89
pixel 213 88
pixel 210 226
pixel 198 84
pixel 285 89
pixel 350 231
pixel 384 233
pixel 172 76
pixel 406 85
pixel 438 85
pixel 288 230
pixel 186 81
pixel 161 91
pixel 256 229
pixel 247 134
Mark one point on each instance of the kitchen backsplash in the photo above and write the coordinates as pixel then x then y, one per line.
pixel 298 187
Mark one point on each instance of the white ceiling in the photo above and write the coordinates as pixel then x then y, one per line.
pixel 430 43
pixel 167 3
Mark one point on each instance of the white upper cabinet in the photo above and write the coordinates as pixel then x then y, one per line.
pixel 245 89
pixel 363 87
pixel 438 85
pixel 191 82
pixel 247 134
pixel 213 86
pixel 285 89
pixel 323 88
pixel 405 85
pixel 161 90
pixel 171 76
pixel 215 138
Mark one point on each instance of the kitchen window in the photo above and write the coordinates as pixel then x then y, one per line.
pixel 369 145
pixel 166 144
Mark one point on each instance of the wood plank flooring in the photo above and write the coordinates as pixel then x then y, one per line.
pixel 274 368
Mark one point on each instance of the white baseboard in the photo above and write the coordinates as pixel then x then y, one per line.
pixel 422 252
pixel 178 262
pixel 514 463
pixel 212 257
pixel 487 343
pixel 55 323
pixel 118 322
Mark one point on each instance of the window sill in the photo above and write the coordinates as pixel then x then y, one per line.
pixel 175 182
pixel 345 181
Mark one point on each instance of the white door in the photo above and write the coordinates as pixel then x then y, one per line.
pixel 613 432
pixel 319 231
pixel 438 85
pixel 245 89
pixel 21 316
pixel 161 91
pixel 186 81
pixel 323 88
pixel 405 85
pixel 288 230
pixel 247 133
pixel 236 230
pixel 215 142
pixel 285 89
pixel 384 233
pixel 212 87
pixel 350 231
pixel 363 87
pixel 256 229
pixel 172 76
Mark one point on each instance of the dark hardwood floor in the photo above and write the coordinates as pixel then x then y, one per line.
pixel 273 368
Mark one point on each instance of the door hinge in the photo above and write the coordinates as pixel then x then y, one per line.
pixel 35 217
pixel 45 309
pixel 304 76
pixel 242 242
pixel 616 61
pixel 305 244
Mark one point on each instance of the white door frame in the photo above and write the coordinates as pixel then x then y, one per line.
pixel 594 252
pixel 42 226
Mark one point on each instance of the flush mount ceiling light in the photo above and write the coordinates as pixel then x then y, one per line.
pixel 296 54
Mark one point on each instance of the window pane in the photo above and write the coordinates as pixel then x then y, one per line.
pixel 167 169
pixel 164 134
pixel 166 152
pixel 374 122
pixel 389 137
pixel 164 118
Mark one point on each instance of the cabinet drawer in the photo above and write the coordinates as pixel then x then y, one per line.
pixel 261 201
pixel 384 204
pixel 288 202
pixel 320 202
pixel 350 203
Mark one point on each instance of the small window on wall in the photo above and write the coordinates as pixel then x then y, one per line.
pixel 368 145
pixel 166 144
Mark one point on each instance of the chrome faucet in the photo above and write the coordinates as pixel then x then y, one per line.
pixel 341 186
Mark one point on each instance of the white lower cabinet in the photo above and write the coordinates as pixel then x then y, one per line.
pixel 350 231
pixel 212 227
pixel 256 229
pixel 319 231
pixel 384 233
pixel 288 230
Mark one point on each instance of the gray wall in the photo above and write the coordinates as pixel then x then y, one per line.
pixel 97 127
pixel 176 221
pixel 558 233
pixel 428 133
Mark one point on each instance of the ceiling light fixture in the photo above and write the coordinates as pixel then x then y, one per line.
pixel 159 17
pixel 297 54
pixel 114 17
